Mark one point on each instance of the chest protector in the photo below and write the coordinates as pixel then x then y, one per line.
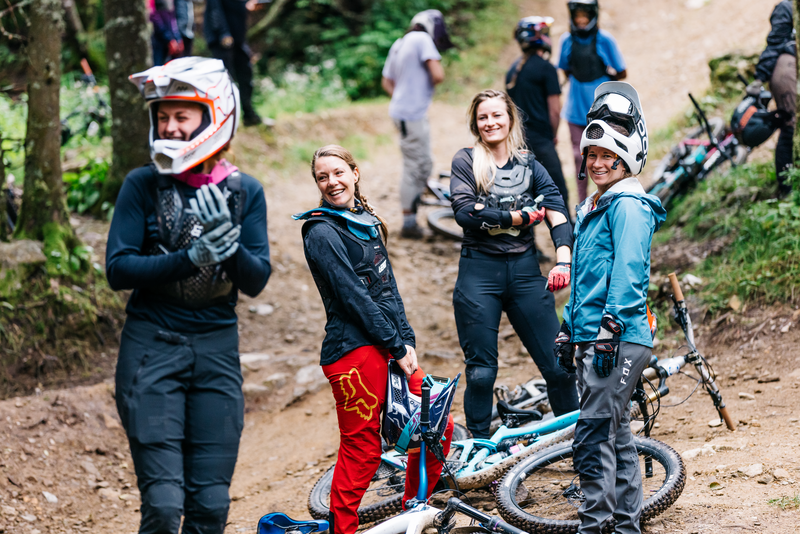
pixel 364 248
pixel 585 63
pixel 177 230
pixel 510 191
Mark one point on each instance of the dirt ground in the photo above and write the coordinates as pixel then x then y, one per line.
pixel 66 446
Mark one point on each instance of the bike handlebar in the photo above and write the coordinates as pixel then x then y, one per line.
pixel 676 287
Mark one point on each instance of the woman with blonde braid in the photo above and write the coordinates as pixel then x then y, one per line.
pixel 344 242
pixel 493 189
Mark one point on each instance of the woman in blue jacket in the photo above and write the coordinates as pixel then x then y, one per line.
pixel 606 316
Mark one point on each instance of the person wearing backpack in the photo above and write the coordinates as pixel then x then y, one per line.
pixel 494 186
pixel 344 242
pixel 589 57
pixel 532 83
pixel 412 69
pixel 606 336
pixel 189 232
pixel 778 66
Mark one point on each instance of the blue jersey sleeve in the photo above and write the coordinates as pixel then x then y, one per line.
pixel 565 45
pixel 609 51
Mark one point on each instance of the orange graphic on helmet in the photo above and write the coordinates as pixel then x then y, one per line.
pixel 356 396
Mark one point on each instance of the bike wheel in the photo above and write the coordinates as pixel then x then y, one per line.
pixel 460 433
pixel 382 498
pixel 671 179
pixel 542 494
pixel 443 222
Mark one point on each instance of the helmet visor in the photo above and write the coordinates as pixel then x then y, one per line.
pixel 614 109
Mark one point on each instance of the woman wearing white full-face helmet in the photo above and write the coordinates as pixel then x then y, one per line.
pixel 189 231
pixel 606 318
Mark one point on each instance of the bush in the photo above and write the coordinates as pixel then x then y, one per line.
pixel 762 259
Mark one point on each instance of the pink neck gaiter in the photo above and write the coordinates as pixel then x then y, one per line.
pixel 221 170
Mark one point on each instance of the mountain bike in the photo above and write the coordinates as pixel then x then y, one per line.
pixel 477 463
pixel 419 516
pixel 442 220
pixel 542 493
pixel 694 158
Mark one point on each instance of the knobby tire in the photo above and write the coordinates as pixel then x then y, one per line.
pixel 539 495
pixel 442 221
pixel 383 497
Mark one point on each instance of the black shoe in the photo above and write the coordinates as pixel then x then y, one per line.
pixel 412 232
pixel 252 119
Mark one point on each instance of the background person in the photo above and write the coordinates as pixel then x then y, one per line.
pixel 606 315
pixel 498 270
pixel 225 28
pixel 778 66
pixel 532 83
pixel 589 57
pixel 344 244
pixel 166 39
pixel 412 69
pixel 186 250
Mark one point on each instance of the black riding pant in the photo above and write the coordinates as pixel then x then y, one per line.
pixel 784 89
pixel 180 400
pixel 545 152
pixel 487 285
pixel 237 61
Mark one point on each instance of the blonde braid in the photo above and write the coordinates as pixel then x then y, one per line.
pixel 364 202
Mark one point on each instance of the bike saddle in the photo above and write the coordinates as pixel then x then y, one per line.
pixel 278 523
pixel 509 414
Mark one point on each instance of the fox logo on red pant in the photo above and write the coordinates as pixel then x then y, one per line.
pixel 356 396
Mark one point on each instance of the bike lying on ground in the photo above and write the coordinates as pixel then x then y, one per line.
pixel 442 220
pixel 478 463
pixel 542 493
pixel 419 516
pixel 691 160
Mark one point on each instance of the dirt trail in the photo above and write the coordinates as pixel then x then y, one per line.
pixel 68 443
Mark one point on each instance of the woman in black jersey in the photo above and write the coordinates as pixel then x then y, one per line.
pixel 493 189
pixel 344 244
pixel 189 231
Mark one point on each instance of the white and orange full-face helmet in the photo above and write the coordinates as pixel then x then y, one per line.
pixel 199 80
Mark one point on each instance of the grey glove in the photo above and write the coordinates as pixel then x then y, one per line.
pixel 210 207
pixel 216 246
pixel 755 88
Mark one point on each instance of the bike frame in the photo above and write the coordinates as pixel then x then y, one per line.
pixel 473 455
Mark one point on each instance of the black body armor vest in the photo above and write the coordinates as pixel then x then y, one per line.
pixel 177 230
pixel 368 257
pixel 511 189
pixel 585 64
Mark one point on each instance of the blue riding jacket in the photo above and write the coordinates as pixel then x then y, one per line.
pixel 611 262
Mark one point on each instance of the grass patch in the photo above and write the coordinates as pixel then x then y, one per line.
pixel 761 260
pixel 785 502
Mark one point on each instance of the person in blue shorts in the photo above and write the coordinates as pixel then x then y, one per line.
pixel 589 57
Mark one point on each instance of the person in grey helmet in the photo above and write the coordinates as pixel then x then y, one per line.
pixel 189 232
pixel 607 316
pixel 412 69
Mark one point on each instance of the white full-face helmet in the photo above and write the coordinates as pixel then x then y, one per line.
pixel 617 104
pixel 201 81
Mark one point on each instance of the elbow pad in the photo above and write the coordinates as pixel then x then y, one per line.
pixel 562 235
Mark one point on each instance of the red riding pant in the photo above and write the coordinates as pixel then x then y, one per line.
pixel 358 381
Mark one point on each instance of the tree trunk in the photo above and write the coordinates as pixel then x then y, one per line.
pixel 796 139
pixel 43 215
pixel 127 52
pixel 3 223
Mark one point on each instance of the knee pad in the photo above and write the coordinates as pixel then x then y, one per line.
pixel 207 510
pixel 481 376
pixel 162 508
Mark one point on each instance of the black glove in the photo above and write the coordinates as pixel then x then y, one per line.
pixel 606 348
pixel 565 350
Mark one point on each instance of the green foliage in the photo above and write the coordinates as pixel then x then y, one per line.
pixel 305 91
pixel 355 45
pixel 761 259
pixel 785 502
pixel 13 117
pixel 83 188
